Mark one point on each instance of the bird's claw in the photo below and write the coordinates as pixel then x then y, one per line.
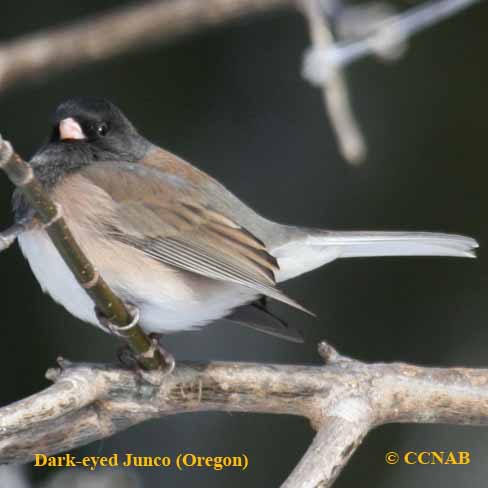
pixel 111 328
pixel 168 358
pixel 130 360
pixel 153 377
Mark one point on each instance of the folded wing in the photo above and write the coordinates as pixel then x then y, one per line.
pixel 171 222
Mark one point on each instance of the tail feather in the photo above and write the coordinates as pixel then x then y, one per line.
pixel 314 248
pixel 363 244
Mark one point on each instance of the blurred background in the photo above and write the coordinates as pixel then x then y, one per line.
pixel 232 101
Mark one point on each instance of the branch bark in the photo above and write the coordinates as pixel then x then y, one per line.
pixel 344 400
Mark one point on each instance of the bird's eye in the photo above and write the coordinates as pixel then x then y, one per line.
pixel 102 129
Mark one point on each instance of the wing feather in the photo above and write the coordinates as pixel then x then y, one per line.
pixel 173 223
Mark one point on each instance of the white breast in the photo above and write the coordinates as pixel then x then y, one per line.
pixel 169 301
pixel 54 276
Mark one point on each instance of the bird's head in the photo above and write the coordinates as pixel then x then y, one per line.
pixel 86 130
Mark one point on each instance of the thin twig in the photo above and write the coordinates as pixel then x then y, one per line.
pixel 38 55
pixel 50 214
pixel 351 141
pixel 321 62
pixel 344 400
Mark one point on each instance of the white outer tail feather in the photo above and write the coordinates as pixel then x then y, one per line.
pixel 305 254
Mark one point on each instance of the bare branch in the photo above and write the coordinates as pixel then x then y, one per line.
pixel 351 141
pixel 102 37
pixel 343 400
pixel 335 442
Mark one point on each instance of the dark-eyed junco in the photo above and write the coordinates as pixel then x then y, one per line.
pixel 171 240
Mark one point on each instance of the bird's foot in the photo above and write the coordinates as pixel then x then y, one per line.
pixel 168 358
pixel 154 377
pixel 130 360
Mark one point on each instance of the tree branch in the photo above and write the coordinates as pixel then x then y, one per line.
pixel 343 400
pixel 128 28
pixel 335 442
pixel 51 215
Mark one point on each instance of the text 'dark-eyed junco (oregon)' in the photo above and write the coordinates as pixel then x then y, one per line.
pixel 172 241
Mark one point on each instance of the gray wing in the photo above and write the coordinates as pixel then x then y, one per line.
pixel 171 221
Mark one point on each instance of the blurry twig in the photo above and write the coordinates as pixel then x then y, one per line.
pixel 324 60
pixel 127 28
pixel 344 400
pixel 321 62
pixel 334 89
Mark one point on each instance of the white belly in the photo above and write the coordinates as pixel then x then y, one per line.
pixel 169 301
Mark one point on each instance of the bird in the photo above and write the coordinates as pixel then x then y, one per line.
pixel 171 240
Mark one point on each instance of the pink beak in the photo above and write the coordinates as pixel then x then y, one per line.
pixel 69 129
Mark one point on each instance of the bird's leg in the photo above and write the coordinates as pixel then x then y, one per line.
pixel 126 355
pixel 153 377
pixel 127 358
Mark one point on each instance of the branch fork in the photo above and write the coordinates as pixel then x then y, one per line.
pixel 343 400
